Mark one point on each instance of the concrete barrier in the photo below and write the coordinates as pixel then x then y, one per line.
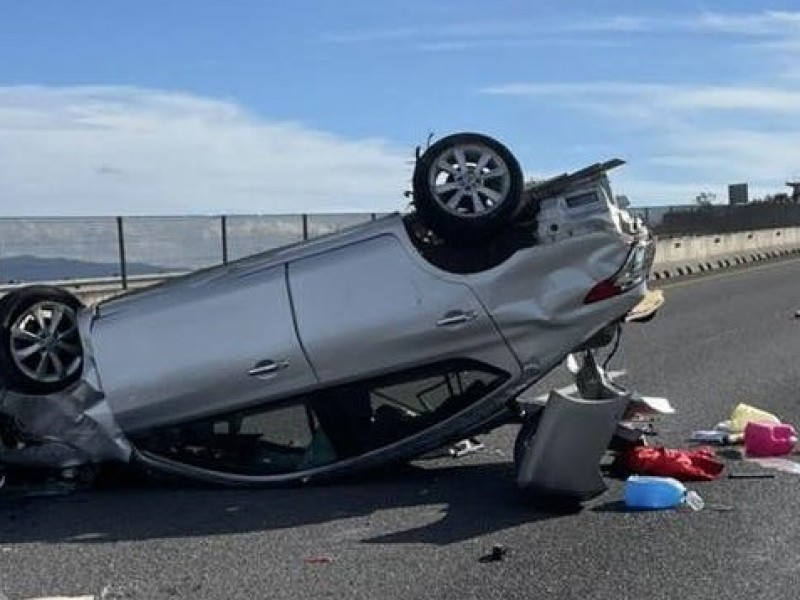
pixel 690 255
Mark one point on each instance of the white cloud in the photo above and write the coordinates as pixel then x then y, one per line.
pixel 519 43
pixel 614 24
pixel 124 150
pixel 473 34
pixel 369 36
pixel 687 138
pixel 773 31
pixel 661 96
pixel 711 158
pixel 759 156
pixel 662 193
pixel 764 23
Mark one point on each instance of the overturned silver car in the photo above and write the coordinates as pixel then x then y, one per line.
pixel 369 346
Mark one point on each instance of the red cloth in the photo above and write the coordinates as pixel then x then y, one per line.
pixel 685 465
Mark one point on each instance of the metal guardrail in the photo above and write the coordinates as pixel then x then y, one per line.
pixel 94 290
pixel 99 283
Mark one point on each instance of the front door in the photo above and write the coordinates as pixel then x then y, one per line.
pixel 369 308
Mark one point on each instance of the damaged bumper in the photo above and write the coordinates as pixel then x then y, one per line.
pixel 59 431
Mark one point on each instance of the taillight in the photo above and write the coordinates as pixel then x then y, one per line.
pixel 632 273
pixel 602 291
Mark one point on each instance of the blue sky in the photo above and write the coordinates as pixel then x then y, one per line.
pixel 179 106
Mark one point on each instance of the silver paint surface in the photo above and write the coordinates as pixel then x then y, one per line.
pixel 346 307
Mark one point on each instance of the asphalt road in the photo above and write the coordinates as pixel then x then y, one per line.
pixel 419 531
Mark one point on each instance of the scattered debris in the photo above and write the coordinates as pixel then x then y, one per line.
pixel 466 447
pixel 699 464
pixel 716 436
pixel 744 414
pixel 497 554
pixel 647 307
pixel 318 560
pixel 762 433
pixel 751 475
pixel 652 405
pixel 731 453
pixel 658 493
pixel 768 439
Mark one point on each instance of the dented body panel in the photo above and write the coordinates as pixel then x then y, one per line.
pixel 193 375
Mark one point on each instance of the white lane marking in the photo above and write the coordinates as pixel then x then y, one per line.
pixel 66 598
pixel 722 275
pixel 660 405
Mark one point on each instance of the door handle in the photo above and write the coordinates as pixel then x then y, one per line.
pixel 456 317
pixel 267 368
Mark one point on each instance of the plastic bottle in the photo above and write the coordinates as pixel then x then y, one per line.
pixel 656 493
pixel 717 436
pixel 768 439
pixel 744 414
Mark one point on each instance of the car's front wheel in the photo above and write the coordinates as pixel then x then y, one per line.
pixel 40 346
pixel 467 187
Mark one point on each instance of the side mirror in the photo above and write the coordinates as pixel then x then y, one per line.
pixel 622 201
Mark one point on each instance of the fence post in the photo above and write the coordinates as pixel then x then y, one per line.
pixel 223 223
pixel 123 265
pixel 305 226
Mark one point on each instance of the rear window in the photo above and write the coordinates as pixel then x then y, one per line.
pixel 580 200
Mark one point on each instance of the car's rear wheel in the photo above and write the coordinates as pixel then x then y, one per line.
pixel 467 187
pixel 40 346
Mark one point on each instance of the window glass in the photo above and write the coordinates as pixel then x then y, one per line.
pixel 320 428
pixel 584 199
pixel 269 440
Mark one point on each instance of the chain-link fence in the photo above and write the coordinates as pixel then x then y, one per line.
pixel 69 248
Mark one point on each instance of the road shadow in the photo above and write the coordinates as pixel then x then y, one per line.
pixel 614 506
pixel 476 500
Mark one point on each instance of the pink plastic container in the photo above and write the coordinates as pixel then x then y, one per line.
pixel 769 439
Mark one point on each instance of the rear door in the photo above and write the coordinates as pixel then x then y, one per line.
pixel 209 343
pixel 369 308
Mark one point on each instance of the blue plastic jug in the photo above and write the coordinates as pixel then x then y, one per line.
pixel 654 493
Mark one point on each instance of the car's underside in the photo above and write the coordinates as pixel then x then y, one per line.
pixel 373 345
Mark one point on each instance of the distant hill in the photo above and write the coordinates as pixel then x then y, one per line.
pixel 19 269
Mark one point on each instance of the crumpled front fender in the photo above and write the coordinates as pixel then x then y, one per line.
pixel 65 429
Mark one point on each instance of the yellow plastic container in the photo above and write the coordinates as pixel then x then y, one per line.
pixel 744 414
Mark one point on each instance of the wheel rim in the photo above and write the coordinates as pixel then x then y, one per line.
pixel 470 180
pixel 45 344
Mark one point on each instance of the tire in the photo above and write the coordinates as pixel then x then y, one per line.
pixel 40 346
pixel 467 187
